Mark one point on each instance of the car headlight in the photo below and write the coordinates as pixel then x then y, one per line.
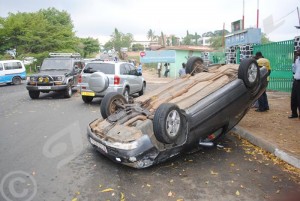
pixel 33 79
pixel 58 78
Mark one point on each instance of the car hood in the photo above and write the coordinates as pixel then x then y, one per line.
pixel 52 73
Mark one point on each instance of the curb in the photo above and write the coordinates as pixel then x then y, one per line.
pixel 260 142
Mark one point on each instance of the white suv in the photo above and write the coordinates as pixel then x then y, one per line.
pixel 99 78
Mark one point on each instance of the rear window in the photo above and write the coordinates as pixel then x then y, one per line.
pixel 105 68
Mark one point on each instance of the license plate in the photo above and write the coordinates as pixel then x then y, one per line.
pixel 86 93
pixel 97 144
pixel 44 87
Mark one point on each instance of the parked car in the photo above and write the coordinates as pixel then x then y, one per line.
pixel 99 78
pixel 12 72
pixel 58 73
pixel 183 115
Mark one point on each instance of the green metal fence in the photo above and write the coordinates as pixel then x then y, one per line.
pixel 217 57
pixel 281 57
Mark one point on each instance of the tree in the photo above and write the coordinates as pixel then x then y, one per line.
pixel 216 42
pixel 90 45
pixel 187 39
pixel 35 33
pixel 150 34
pixel 137 47
pixel 265 39
pixel 163 39
pixel 118 40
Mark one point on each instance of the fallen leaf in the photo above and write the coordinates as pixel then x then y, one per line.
pixel 242 186
pixel 170 194
pixel 237 193
pixel 180 199
pixel 278 191
pixel 107 190
pixel 77 193
pixel 74 199
pixel 33 173
pixel 207 182
pixel 232 164
pixel 213 173
pixel 122 197
pixel 148 185
pixel 171 181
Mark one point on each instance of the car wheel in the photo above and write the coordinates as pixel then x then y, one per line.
pixel 87 99
pixel 111 103
pixel 249 73
pixel 16 80
pixel 34 94
pixel 167 123
pixel 126 94
pixel 68 92
pixel 143 89
pixel 194 65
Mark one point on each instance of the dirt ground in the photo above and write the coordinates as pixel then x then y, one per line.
pixel 273 125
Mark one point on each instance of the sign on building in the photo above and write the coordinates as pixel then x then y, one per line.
pixel 163 56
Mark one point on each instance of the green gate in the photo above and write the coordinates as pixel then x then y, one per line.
pixel 281 57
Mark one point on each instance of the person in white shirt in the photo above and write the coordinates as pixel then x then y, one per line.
pixel 182 70
pixel 158 69
pixel 295 96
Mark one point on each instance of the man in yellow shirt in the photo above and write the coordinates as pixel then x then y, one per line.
pixel 263 104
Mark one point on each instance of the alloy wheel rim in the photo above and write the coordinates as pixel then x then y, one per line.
pixel 173 123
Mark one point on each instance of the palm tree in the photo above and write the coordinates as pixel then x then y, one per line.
pixel 150 34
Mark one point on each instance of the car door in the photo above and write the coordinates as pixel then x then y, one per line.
pixel 2 74
pixel 136 81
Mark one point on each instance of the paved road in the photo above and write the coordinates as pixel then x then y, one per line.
pixel 44 155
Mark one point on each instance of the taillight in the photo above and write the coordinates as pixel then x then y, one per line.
pixel 116 80
pixel 79 79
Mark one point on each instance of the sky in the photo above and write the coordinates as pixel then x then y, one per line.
pixel 99 18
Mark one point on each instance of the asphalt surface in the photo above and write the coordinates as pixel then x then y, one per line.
pixel 45 155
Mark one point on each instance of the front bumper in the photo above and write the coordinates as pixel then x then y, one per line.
pixel 46 88
pixel 142 155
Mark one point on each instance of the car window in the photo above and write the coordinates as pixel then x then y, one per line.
pixel 132 69
pixel 57 64
pixel 100 67
pixel 123 70
pixel 12 65
pixel 79 64
pixel 1 67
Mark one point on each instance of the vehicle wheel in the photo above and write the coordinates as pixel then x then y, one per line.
pixel 126 94
pixel 143 89
pixel 111 103
pixel 194 65
pixel 34 94
pixel 68 92
pixel 167 123
pixel 87 99
pixel 16 80
pixel 249 73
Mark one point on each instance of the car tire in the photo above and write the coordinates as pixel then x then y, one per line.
pixel 34 94
pixel 194 65
pixel 87 99
pixel 111 103
pixel 143 89
pixel 68 92
pixel 249 72
pixel 16 80
pixel 167 123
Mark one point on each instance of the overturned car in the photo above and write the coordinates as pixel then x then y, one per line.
pixel 180 116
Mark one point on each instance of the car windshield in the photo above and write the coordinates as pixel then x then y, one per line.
pixel 106 68
pixel 57 64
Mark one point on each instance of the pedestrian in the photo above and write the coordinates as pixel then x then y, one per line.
pixel 158 69
pixel 263 104
pixel 140 69
pixel 167 69
pixel 295 96
pixel 182 70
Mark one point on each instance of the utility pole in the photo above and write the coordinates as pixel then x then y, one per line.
pixel 257 17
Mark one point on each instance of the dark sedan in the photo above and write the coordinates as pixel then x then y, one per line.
pixel 183 115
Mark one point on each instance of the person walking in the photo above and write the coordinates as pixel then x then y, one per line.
pixel 167 69
pixel 263 104
pixel 295 96
pixel 140 68
pixel 182 70
pixel 158 69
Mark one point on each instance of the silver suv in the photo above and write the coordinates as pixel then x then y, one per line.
pixel 99 78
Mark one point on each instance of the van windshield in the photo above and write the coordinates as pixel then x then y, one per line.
pixel 105 68
pixel 57 64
